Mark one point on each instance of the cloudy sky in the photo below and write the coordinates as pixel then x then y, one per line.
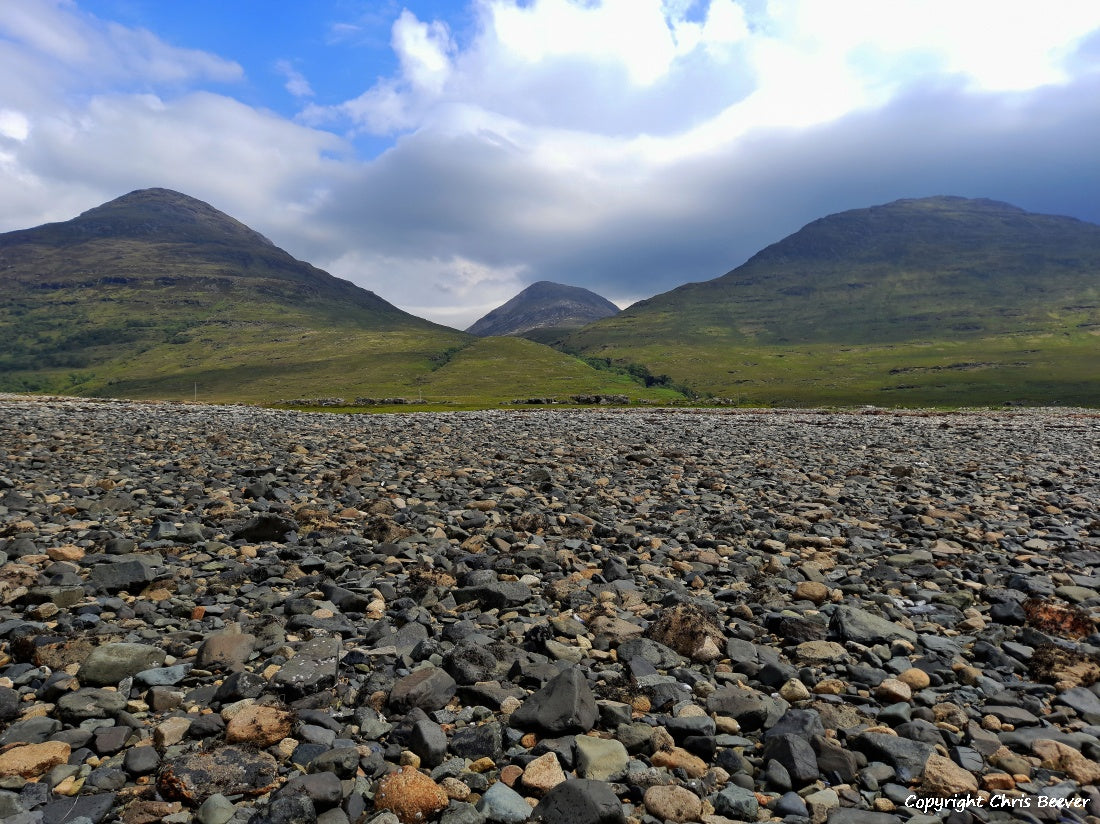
pixel 447 154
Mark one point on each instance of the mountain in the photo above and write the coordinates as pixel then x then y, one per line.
pixel 940 300
pixel 545 310
pixel 159 295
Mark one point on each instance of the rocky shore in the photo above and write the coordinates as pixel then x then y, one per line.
pixel 227 614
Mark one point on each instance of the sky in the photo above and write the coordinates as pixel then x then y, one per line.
pixel 445 155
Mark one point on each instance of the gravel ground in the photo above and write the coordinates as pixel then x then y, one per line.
pixel 229 614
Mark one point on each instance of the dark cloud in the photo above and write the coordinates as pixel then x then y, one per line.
pixel 479 197
pixel 562 167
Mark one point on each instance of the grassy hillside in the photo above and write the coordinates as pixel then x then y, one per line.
pixel 934 301
pixel 156 292
pixel 509 368
pixel 158 295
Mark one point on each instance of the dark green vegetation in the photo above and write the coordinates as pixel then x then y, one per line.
pixel 544 312
pixel 939 301
pixel 159 295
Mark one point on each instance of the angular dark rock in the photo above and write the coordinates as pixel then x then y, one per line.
pixel 579 801
pixel 851 815
pixel 322 788
pixel 749 708
pixel 110 663
pixel 286 809
pixel 30 731
pixel 125 573
pixel 804 723
pixel 837 763
pixel 343 762
pixel 796 754
pixel 905 756
pixel 9 703
pixel 496 595
pixel 859 626
pixel 565 704
pixel 469 663
pixel 94 807
pixel 480 741
pixel 90 702
pixel 1083 701
pixel 429 688
pixel 737 803
pixel 429 742
pixel 141 760
pixel 265 527
pixel 654 652
pixel 791 803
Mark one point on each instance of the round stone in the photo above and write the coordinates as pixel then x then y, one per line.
pixel 915 678
pixel 813 591
pixel 410 795
pixel 672 803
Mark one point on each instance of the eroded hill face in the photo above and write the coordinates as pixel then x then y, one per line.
pixel 156 287
pixel 937 300
pixel 159 295
pixel 932 301
pixel 545 306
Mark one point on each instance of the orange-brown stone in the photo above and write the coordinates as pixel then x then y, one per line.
pixel 34 760
pixel 693 765
pixel 510 774
pixel 410 795
pixel 259 725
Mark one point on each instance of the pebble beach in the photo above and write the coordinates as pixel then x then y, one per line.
pixel 234 614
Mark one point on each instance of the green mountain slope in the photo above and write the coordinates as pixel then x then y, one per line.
pixel 155 292
pixel 501 369
pixel 940 300
pixel 159 295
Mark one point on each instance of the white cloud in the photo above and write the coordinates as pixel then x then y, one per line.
pixel 451 290
pixel 100 110
pixel 84 52
pixel 296 83
pixel 624 145
pixel 422 49
pixel 629 34
pixel 795 63
pixel 584 131
pixel 14 125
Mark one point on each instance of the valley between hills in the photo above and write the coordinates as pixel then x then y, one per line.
pixel 940 301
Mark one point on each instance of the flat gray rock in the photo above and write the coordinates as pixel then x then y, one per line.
pixel 312 668
pixel 862 627
pixel 110 663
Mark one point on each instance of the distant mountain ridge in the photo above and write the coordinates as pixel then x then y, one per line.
pixel 159 233
pixel 159 295
pixel 157 214
pixel 932 300
pixel 156 286
pixel 544 306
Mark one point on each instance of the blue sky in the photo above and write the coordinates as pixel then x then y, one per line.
pixel 339 47
pixel 447 154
